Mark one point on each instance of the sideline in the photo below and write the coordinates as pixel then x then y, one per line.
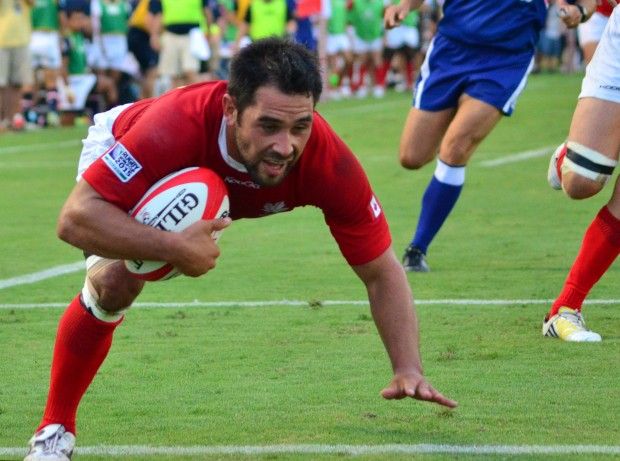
pixel 352 450
pixel 313 303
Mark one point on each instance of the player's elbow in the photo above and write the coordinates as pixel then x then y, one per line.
pixel 68 224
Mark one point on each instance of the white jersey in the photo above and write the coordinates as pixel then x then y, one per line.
pixel 602 78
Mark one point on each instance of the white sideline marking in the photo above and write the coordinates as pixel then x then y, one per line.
pixel 518 157
pixel 293 303
pixel 354 450
pixel 32 147
pixel 42 275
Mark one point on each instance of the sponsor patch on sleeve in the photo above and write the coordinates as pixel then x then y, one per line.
pixel 121 162
pixel 374 207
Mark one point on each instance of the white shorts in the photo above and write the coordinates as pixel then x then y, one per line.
pixel 361 46
pixel 45 49
pixel 591 31
pixel 109 52
pixel 402 36
pixel 338 43
pixel 99 138
pixel 80 85
pixel 602 78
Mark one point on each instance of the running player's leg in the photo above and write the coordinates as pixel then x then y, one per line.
pixel 473 121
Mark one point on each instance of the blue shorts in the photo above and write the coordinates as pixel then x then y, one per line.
pixel 450 69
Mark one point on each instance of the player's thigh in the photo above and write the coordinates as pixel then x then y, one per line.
pixel 595 124
pixel 473 121
pixel 421 136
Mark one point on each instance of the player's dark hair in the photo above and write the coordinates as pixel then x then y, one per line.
pixel 288 66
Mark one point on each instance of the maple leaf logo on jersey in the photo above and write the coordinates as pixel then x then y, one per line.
pixel 273 208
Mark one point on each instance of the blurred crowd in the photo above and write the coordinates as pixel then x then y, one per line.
pixel 61 61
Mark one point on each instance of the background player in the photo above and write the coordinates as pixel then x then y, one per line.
pixel 475 69
pixel 260 133
pixel 582 167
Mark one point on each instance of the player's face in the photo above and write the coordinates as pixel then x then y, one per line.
pixel 270 135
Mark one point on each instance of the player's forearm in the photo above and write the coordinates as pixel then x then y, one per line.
pixel 98 227
pixel 413 4
pixel 391 304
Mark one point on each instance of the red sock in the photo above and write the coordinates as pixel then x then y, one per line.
pixel 82 343
pixel 599 249
pixel 409 74
pixel 381 73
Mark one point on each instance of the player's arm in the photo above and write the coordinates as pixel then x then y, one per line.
pixel 394 14
pixel 391 304
pixel 574 13
pixel 87 221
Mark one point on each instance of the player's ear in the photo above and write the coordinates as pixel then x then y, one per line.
pixel 230 108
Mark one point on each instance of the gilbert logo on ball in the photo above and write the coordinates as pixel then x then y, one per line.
pixel 173 204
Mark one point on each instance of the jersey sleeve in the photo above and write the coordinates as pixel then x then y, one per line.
pixel 168 136
pixel 351 209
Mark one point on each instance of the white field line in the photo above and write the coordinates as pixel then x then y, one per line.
pixel 26 148
pixel 518 157
pixel 354 450
pixel 42 275
pixel 300 303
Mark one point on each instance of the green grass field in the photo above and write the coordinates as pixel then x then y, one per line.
pixel 251 377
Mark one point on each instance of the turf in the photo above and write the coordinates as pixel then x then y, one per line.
pixel 311 374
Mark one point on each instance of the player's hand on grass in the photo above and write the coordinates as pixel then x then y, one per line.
pixel 195 251
pixel 415 386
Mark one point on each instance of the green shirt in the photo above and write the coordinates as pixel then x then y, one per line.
pixel 44 15
pixel 75 52
pixel 268 18
pixel 337 23
pixel 182 12
pixel 367 19
pixel 114 16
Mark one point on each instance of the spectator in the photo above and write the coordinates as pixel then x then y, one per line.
pixel 138 42
pixel 175 27
pixel 78 80
pixel 45 59
pixel 15 68
pixel 367 19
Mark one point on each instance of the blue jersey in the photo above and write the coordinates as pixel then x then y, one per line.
pixel 511 25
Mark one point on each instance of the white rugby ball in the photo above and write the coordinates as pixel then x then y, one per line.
pixel 173 204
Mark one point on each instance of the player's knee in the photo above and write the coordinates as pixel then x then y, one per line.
pixel 578 187
pixel 585 171
pixel 109 286
pixel 412 162
pixel 457 151
pixel 117 291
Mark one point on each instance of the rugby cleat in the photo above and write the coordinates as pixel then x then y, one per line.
pixel 568 324
pixel 52 443
pixel 554 174
pixel 414 260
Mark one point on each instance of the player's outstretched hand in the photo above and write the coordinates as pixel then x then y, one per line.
pixel 196 250
pixel 394 15
pixel 415 386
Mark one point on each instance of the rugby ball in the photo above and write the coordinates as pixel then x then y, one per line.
pixel 173 204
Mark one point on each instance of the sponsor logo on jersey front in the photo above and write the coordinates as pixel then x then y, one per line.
pixel 121 162
pixel 239 182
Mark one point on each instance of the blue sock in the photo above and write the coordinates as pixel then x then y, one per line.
pixel 439 198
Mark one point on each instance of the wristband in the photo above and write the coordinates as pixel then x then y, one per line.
pixel 583 11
